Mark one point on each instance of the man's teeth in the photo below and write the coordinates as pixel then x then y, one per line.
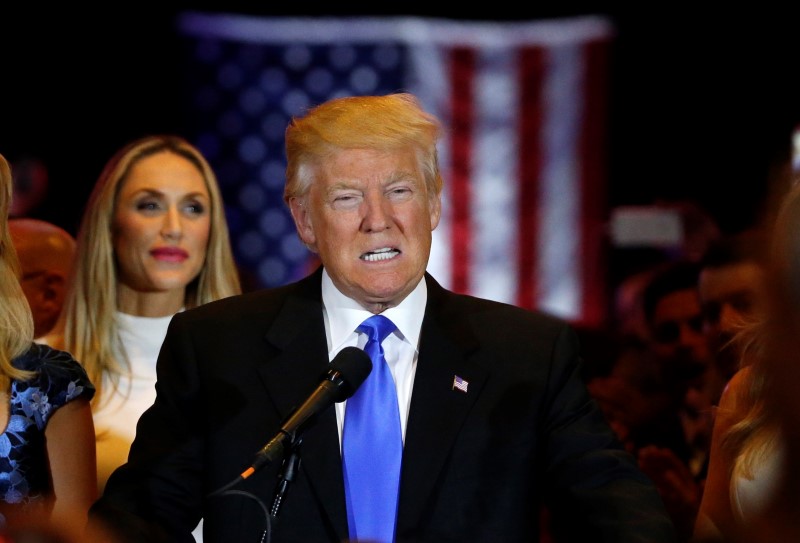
pixel 381 254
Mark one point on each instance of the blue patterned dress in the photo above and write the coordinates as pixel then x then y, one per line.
pixel 24 473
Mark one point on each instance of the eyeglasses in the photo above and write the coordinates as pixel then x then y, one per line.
pixel 670 331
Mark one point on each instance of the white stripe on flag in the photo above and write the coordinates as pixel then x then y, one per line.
pixel 426 59
pixel 493 266
pixel 558 262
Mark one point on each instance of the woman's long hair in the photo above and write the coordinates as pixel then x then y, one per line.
pixel 16 322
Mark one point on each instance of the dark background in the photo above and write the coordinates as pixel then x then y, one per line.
pixel 702 104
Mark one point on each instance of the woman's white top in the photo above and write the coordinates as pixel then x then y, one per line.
pixel 118 410
pixel 750 497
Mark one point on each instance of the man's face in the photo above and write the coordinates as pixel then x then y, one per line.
pixel 370 217
pixel 677 328
pixel 729 295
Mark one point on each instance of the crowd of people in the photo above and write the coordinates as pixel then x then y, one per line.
pixel 676 367
pixel 138 379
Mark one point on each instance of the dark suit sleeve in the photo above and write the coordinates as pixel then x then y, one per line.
pixel 598 492
pixel 156 496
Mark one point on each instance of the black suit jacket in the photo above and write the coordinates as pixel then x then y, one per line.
pixel 477 465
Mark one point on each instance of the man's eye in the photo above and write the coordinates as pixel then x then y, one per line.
pixel 400 193
pixel 345 201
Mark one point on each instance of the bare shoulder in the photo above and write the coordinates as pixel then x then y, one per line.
pixel 736 389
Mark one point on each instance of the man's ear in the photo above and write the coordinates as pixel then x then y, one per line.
pixel 435 204
pixel 302 221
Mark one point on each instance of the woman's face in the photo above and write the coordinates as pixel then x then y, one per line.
pixel 161 224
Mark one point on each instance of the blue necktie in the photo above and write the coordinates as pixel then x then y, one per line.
pixel 372 445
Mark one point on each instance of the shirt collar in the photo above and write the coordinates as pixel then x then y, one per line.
pixel 344 314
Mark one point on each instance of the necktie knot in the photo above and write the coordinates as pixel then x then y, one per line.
pixel 377 328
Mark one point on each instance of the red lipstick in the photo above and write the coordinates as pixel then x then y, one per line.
pixel 170 254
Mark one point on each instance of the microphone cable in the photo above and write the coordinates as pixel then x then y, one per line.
pixel 291 464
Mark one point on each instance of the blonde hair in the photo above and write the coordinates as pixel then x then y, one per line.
pixel 753 437
pixel 768 344
pixel 383 123
pixel 89 315
pixel 16 322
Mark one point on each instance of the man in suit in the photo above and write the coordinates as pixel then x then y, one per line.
pixel 496 422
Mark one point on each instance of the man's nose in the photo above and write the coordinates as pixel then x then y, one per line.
pixel 377 213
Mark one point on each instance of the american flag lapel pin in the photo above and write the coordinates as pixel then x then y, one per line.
pixel 460 384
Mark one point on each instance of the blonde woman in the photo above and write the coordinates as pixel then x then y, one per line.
pixel 153 241
pixel 749 454
pixel 47 466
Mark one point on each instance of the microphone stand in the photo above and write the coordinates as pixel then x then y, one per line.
pixel 290 466
pixel 291 463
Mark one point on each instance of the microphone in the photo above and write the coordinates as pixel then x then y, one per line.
pixel 345 374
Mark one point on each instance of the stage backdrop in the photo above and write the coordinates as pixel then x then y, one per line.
pixel 523 155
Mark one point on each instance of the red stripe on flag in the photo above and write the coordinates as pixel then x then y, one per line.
pixel 462 67
pixel 530 163
pixel 593 154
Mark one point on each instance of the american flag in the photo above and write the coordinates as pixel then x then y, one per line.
pixel 460 384
pixel 524 109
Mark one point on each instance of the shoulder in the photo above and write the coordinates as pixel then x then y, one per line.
pixel 58 374
pixel 487 312
pixel 239 304
pixel 252 309
pixel 493 322
pixel 736 389
pixel 54 339
pixel 736 399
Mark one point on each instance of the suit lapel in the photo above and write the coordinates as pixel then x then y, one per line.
pixel 298 335
pixel 438 408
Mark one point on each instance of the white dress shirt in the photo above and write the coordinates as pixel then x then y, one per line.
pixel 343 315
